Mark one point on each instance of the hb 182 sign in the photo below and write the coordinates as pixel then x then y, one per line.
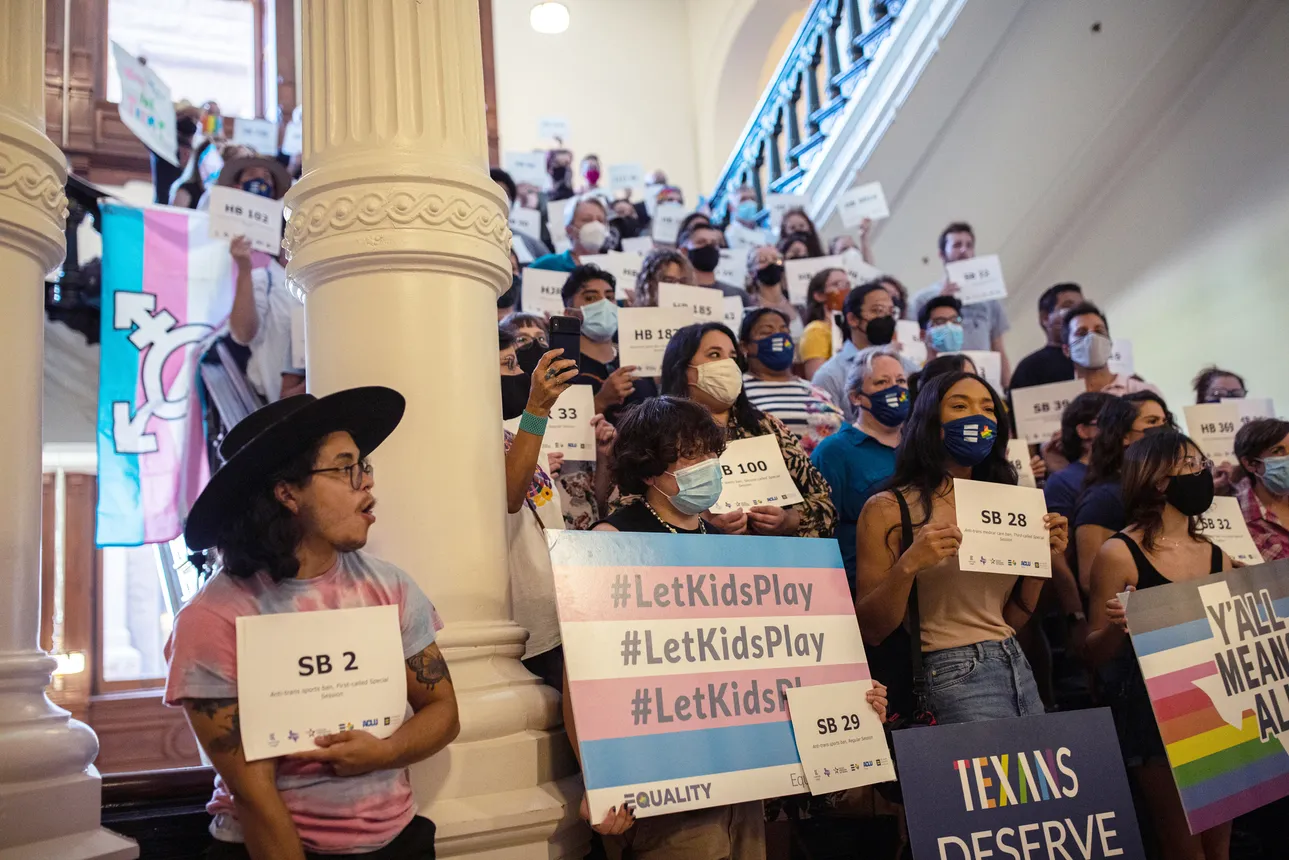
pixel 1031 788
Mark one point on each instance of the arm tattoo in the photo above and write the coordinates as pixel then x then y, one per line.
pixel 429 667
pixel 229 738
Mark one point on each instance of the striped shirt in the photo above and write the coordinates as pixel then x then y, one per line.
pixel 806 410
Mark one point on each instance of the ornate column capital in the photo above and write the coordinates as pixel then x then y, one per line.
pixel 33 204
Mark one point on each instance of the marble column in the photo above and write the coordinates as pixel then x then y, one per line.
pixel 400 242
pixel 49 789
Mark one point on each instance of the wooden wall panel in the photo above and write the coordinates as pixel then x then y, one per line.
pixel 137 732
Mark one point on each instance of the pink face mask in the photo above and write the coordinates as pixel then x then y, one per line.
pixel 592 175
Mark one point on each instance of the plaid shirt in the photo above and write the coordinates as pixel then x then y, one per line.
pixel 1270 535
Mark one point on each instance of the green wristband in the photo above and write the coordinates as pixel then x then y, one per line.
pixel 530 423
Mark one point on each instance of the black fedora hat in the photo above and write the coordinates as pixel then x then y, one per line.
pixel 267 438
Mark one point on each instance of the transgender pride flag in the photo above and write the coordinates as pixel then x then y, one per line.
pixel 167 289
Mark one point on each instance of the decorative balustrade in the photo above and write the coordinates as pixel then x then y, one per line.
pixel 821 72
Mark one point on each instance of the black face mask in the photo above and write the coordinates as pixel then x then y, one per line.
pixel 529 355
pixel 1190 494
pixel 559 173
pixel 770 275
pixel 507 299
pixel 705 259
pixel 881 331
pixel 514 395
pixel 628 228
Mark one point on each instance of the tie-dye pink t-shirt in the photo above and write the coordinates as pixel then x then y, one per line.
pixel 332 814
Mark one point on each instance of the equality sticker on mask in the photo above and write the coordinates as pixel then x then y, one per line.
pixel 1002 529
pixel 643 335
pixel 568 429
pixel 1213 427
pixel 234 213
pixel 1039 408
pixel 540 291
pixel 753 473
pixel 1223 523
pixel 979 279
pixel 703 303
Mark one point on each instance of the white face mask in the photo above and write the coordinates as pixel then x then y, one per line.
pixel 592 235
pixel 1091 351
pixel 720 380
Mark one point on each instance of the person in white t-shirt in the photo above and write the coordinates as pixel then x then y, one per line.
pixel 1087 342
pixel 261 318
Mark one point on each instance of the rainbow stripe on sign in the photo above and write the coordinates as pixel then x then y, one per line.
pixel 678 650
pixel 1213 659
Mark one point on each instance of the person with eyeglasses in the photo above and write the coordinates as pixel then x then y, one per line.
pixel 287 515
pixel 1213 385
pixel 660 266
pixel 868 319
pixel 527 329
pixel 940 321
pixel 1262 448
pixel 1167 487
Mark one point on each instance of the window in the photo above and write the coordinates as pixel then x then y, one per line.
pixel 205 50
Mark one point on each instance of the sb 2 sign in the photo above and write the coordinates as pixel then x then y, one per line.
pixel 322 663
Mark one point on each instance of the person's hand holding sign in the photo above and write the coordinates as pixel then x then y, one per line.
pixel 617 820
pixel 1115 611
pixel 733 522
pixel 240 249
pixel 351 753
pixel 617 388
pixel 773 520
pixel 1058 532
pixel 933 544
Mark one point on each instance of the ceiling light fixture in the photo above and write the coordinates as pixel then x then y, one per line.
pixel 549 18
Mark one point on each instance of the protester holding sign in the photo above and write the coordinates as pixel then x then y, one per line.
pixel 868 319
pixel 288 514
pixel 586 225
pixel 972 666
pixel 860 457
pixel 744 229
pixel 702 363
pixel 701 244
pixel 1262 447
pixel 768 286
pixel 1167 485
pixel 771 386
pixel 825 295
pixel 796 226
pixel 1088 345
pixel 254 174
pixel 261 317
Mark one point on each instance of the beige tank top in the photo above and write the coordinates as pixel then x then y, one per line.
pixel 960 607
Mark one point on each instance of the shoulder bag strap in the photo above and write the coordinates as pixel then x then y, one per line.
pixel 915 625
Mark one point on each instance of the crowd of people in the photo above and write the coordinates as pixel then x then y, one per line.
pixel 873 426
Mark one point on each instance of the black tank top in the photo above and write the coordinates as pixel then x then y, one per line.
pixel 1147 575
pixel 636 517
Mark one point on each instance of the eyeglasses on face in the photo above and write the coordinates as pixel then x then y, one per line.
pixel 356 471
pixel 936 323
pixel 523 340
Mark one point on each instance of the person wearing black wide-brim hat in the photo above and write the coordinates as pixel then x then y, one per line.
pixel 287 515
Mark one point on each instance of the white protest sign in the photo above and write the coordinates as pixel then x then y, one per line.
pixel 623 266
pixel 626 176
pixel 554 128
pixel 293 135
pixel 651 196
pixel 988 364
pixel 540 291
pixel 568 428
pixel 259 134
pixel 1038 408
pixel 908 335
pixel 234 212
pixel 839 737
pixel 753 473
pixel 1121 357
pixel 1002 528
pixel 1223 523
pixel 732 269
pixel 666 222
pixel 1251 408
pixel 732 312
pixel 559 239
pixel 522 254
pixel 1213 427
pixel 555 216
pixel 801 270
pixel 526 221
pixel 778 204
pixel 863 201
pixel 527 167
pixel 299 345
pixel 638 245
pixel 857 269
pixel 704 304
pixel 979 279
pixel 146 108
pixel 1018 454
pixel 643 334
pixel 304 675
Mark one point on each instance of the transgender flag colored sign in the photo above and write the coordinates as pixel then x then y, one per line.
pixel 1215 656
pixel 678 650
pixel 166 290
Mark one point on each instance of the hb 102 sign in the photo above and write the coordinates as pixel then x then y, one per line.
pixel 1030 788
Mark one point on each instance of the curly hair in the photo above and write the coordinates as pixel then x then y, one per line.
pixel 1146 463
pixel 657 432
pixel 647 281
pixel 264 534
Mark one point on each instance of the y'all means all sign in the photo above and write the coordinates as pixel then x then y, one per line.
pixel 234 212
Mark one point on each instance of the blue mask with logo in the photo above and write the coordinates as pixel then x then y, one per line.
pixel 947 337
pixel 746 211
pixel 258 186
pixel 775 351
pixel 969 440
pixel 890 406
pixel 699 486
pixel 600 320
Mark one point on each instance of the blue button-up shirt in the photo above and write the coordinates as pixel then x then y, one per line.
pixel 854 464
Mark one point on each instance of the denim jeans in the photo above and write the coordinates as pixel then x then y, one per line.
pixel 985 681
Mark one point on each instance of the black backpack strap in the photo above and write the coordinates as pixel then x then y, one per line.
pixel 915 625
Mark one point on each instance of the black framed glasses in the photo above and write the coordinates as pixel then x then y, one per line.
pixel 357 471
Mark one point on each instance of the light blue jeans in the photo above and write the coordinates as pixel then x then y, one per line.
pixel 985 681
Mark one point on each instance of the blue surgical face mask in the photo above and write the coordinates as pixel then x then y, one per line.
pixel 746 211
pixel 698 487
pixel 1275 475
pixel 947 337
pixel 890 406
pixel 969 440
pixel 258 186
pixel 775 351
pixel 600 320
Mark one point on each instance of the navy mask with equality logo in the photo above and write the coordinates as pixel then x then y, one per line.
pixel 969 440
pixel 775 351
